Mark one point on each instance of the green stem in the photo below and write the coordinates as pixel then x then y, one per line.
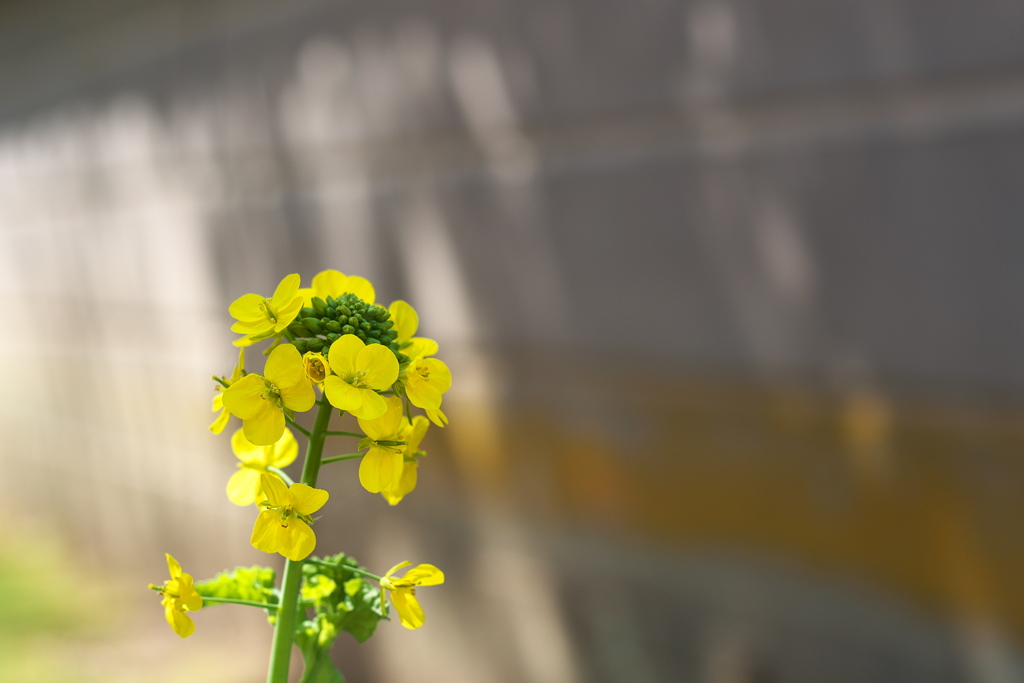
pixel 237 601
pixel 302 430
pixel 284 628
pixel 337 458
pixel 354 570
pixel 355 434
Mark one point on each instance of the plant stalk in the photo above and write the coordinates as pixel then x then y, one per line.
pixel 284 628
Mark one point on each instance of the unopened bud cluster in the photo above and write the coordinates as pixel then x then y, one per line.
pixel 326 320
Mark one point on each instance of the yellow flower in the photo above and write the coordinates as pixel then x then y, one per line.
pixel 426 379
pixel 360 371
pixel 403 590
pixel 180 596
pixel 284 524
pixel 381 467
pixel 218 399
pixel 244 485
pixel 412 434
pixel 317 367
pixel 259 318
pixel 260 400
pixel 335 283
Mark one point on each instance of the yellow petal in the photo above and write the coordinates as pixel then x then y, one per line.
pixel 340 394
pixel 221 422
pixel 420 346
pixel 287 314
pixel 179 621
pixel 329 283
pixel 297 541
pixel 415 434
pixel 343 353
pixel 406 320
pixel 380 469
pixel 244 398
pixel 244 487
pixel 410 473
pixel 372 407
pixel 188 595
pixel 307 499
pixel 422 395
pixel 265 428
pixel 247 308
pixel 380 364
pixel 440 376
pixel 408 607
pixel 275 490
pixel 438 417
pixel 245 450
pixel 386 427
pixel 287 290
pixel 264 532
pixel 284 366
pixel 397 567
pixel 173 568
pixel 284 452
pixel 425 575
pixel 361 287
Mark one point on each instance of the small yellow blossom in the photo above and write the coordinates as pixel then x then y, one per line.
pixel 403 590
pixel 218 399
pixel 335 283
pixel 284 525
pixel 260 400
pixel 426 379
pixel 412 434
pixel 381 467
pixel 360 371
pixel 180 596
pixel 259 318
pixel 317 367
pixel 244 485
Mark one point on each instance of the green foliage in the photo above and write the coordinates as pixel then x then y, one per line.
pixel 242 583
pixel 342 600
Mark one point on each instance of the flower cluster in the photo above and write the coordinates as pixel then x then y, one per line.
pixel 333 348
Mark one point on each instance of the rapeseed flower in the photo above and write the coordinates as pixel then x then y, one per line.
pixel 426 379
pixel 360 371
pixel 407 321
pixel 284 525
pixel 218 399
pixel 403 590
pixel 259 317
pixel 244 487
pixel 412 434
pixel 316 366
pixel 381 467
pixel 180 596
pixel 260 400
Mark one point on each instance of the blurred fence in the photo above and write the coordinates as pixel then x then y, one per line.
pixel 730 292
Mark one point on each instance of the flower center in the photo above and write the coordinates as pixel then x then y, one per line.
pixel 268 311
pixel 271 393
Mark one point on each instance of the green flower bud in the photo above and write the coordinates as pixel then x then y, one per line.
pixel 301 345
pixel 319 305
pixel 354 321
pixel 314 344
pixel 345 311
pixel 307 312
pixel 333 326
pixel 331 301
pixel 312 324
pixel 361 335
pixel 331 338
pixel 371 340
pixel 365 327
pixel 299 330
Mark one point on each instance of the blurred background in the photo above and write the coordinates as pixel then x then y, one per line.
pixel 731 291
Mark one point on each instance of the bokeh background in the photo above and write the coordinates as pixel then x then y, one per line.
pixel 731 290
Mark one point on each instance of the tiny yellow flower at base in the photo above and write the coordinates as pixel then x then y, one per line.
pixel 180 596
pixel 284 525
pixel 244 486
pixel 317 367
pixel 426 379
pixel 403 591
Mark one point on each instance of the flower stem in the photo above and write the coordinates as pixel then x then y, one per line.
pixel 336 458
pixel 355 434
pixel 284 628
pixel 237 601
